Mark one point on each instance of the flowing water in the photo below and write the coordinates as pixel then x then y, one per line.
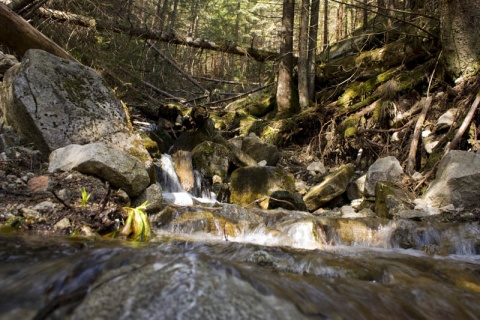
pixel 229 262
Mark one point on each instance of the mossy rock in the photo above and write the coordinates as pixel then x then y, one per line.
pixel 211 159
pixel 249 184
pixel 390 199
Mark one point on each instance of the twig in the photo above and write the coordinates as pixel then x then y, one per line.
pixel 61 201
pixel 416 136
pixel 466 122
pixel 105 199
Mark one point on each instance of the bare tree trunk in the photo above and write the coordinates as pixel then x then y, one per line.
pixel 460 36
pixel 173 16
pixel 325 25
pixel 163 15
pixel 303 55
pixel 20 36
pixel 286 102
pixel 312 46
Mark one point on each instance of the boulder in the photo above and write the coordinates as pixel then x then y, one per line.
pixel 184 287
pixel 317 167
pixel 384 169
pixel 332 186
pixel 259 150
pixel 211 159
pixel 390 200
pixel 249 184
pixel 457 181
pixel 115 166
pixel 54 102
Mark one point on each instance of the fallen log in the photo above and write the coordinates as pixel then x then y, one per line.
pixel 20 36
pixel 170 37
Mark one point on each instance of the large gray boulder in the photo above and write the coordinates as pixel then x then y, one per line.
pixel 384 169
pixel 457 181
pixel 54 102
pixel 332 186
pixel 119 168
pixel 249 184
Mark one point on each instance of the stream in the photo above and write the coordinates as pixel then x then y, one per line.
pixel 222 261
pixel 202 276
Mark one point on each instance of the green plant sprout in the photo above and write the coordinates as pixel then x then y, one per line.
pixel 85 197
pixel 137 226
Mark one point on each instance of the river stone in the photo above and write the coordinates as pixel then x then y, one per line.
pixel 249 184
pixel 184 287
pixel 457 181
pixel 356 189
pixel 445 121
pixel 118 167
pixel 54 102
pixel 212 159
pixel 384 169
pixel 332 186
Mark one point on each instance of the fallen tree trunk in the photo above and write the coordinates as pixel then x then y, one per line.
pixel 20 36
pixel 143 33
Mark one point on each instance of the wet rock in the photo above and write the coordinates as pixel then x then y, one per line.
pixel 390 199
pixel 249 184
pixel 457 181
pixel 184 287
pixel 384 169
pixel 212 159
pixel 332 186
pixel 54 102
pixel 118 167
pixel 182 161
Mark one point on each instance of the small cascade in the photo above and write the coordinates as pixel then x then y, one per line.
pixel 167 176
pixel 174 193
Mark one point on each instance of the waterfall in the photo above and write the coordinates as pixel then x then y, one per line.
pixel 173 191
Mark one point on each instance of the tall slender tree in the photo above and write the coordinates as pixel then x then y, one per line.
pixel 303 94
pixel 312 46
pixel 287 101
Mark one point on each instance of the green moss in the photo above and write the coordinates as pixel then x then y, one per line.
pixel 348 127
pixel 360 90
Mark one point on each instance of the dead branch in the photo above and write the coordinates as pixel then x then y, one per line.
pixel 168 95
pixel 416 136
pixel 183 72
pixel 466 122
pixel 67 17
pixel 240 95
